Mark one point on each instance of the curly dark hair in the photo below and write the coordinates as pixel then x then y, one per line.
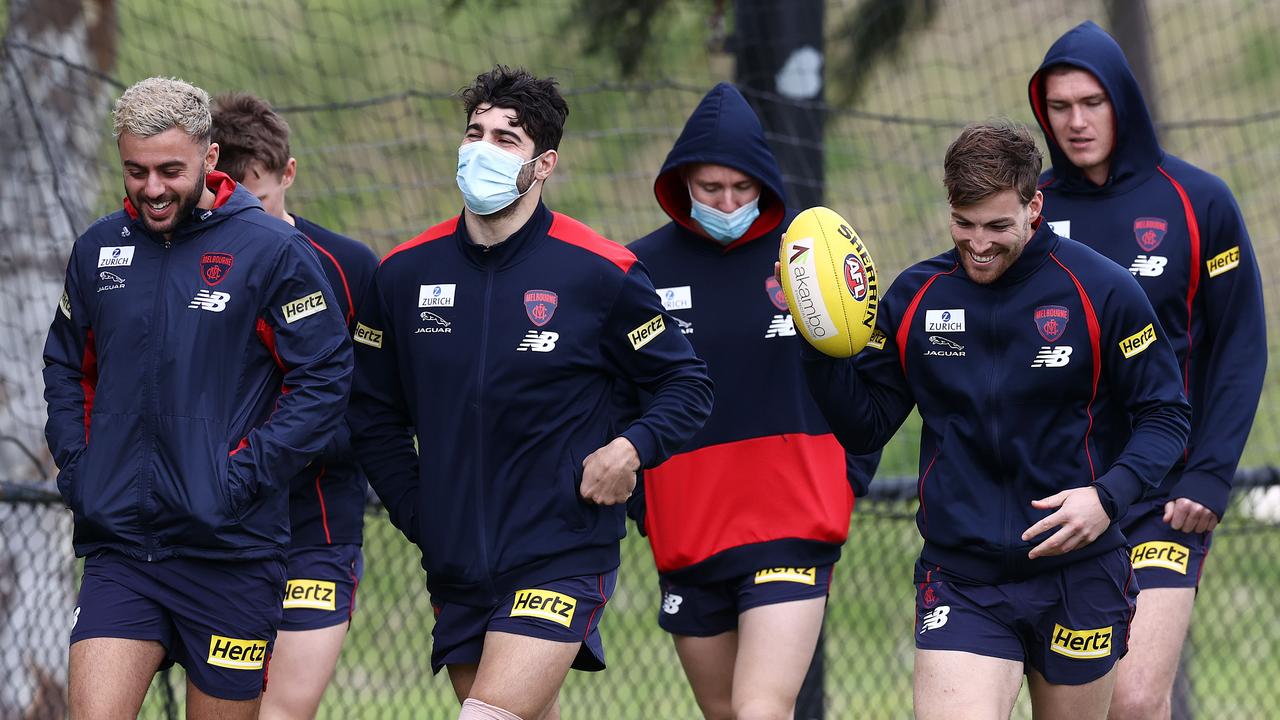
pixel 539 107
pixel 246 128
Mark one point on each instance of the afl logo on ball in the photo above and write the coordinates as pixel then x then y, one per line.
pixel 855 277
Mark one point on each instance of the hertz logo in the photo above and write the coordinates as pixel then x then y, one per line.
pixel 544 604
pixel 1081 644
pixel 1157 554
pixel 303 307
pixel 368 336
pixel 237 654
pixel 805 576
pixel 646 332
pixel 65 304
pixel 310 595
pixel 1138 341
pixel 1223 262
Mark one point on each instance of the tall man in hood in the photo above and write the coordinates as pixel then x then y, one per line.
pixel 747 521
pixel 1178 230
pixel 503 339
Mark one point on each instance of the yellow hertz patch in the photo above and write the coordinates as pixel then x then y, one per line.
pixel 804 576
pixel 1223 262
pixel 1081 644
pixel 65 305
pixel 237 654
pixel 368 336
pixel 303 306
pixel 646 332
pixel 876 340
pixel 310 595
pixel 544 604
pixel 1138 341
pixel 1157 554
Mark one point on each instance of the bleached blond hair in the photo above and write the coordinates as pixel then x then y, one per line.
pixel 152 106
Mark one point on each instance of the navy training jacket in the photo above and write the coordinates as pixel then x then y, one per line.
pixel 764 483
pixel 510 364
pixel 327 499
pixel 1015 382
pixel 188 380
pixel 1179 231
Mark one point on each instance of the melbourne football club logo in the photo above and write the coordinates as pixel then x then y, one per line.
pixel 540 306
pixel 1052 321
pixel 774 289
pixel 214 266
pixel 1149 231
pixel 930 599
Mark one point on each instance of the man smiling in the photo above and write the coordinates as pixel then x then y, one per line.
pixel 1011 346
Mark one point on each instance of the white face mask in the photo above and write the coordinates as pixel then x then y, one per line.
pixel 725 227
pixel 487 177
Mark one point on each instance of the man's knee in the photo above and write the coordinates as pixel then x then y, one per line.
pixel 1139 701
pixel 762 709
pixel 473 709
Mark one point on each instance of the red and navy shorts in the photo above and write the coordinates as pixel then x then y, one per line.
pixel 1163 557
pixel 704 610
pixel 217 619
pixel 567 610
pixel 321 591
pixel 1070 624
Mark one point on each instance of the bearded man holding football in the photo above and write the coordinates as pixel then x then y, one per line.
pixel 1050 400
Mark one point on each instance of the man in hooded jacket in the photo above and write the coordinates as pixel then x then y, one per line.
pixel 746 523
pixel 1179 231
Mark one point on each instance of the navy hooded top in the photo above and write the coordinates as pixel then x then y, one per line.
pixel 763 484
pixel 1179 231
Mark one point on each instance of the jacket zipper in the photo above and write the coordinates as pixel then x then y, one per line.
pixel 479 439
pixel 993 400
pixel 153 403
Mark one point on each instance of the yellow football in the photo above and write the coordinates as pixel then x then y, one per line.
pixel 830 282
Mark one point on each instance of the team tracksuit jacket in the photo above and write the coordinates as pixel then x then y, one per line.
pixel 763 484
pixel 1178 230
pixel 326 499
pixel 1016 382
pixel 511 364
pixel 187 381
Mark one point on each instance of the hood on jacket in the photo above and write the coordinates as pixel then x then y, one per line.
pixel 228 199
pixel 723 130
pixel 1137 151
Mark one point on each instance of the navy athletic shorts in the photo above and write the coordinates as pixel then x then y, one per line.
pixel 321 591
pixel 217 619
pixel 1070 624
pixel 1163 557
pixel 567 610
pixel 703 610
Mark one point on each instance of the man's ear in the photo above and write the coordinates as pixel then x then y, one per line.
pixel 289 174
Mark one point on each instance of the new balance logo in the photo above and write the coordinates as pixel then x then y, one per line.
pixel 1052 356
pixel 671 603
pixel 211 301
pixel 1148 266
pixel 544 341
pixel 781 326
pixel 934 619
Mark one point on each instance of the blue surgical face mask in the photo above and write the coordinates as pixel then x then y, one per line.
pixel 487 177
pixel 725 227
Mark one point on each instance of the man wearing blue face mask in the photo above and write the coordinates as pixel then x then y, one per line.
pixel 747 521
pixel 503 339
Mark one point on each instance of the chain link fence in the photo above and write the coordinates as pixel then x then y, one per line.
pixel 1229 666
pixel 368 85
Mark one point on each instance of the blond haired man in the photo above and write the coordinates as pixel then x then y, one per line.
pixel 195 362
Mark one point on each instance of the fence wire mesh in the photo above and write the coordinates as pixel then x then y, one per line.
pixel 368 87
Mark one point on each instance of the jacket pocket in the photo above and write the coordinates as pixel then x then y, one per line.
pixel 574 507
pixel 190 482
pixel 67 479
